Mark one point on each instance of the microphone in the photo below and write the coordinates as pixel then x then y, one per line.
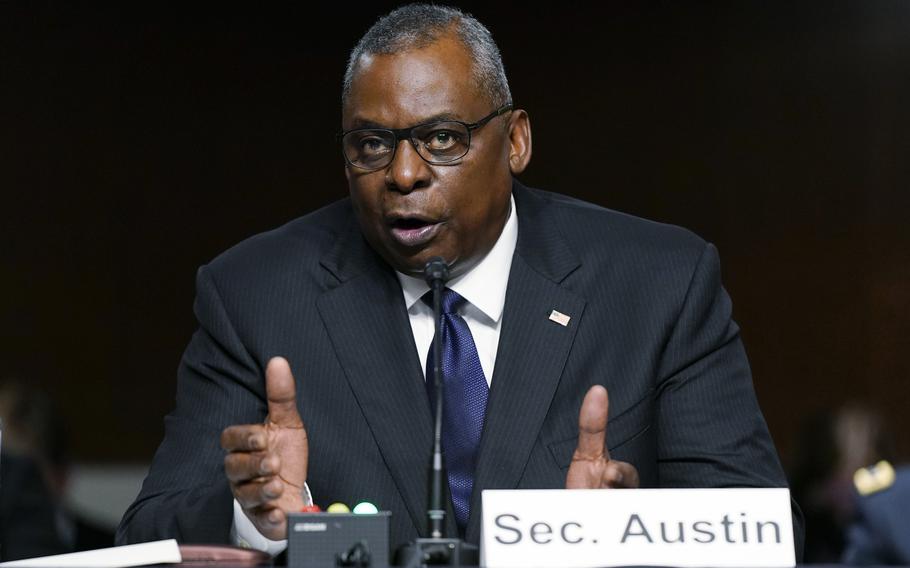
pixel 436 273
pixel 437 550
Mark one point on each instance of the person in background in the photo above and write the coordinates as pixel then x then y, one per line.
pixel 34 471
pixel 879 533
pixel 831 447
pixel 27 511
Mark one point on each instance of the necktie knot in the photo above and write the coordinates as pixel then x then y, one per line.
pixel 451 301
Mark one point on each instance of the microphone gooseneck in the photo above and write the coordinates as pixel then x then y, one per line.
pixel 436 273
pixel 437 550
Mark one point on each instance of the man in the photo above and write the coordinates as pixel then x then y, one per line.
pixel 557 299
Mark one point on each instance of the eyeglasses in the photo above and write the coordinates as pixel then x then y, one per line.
pixel 439 142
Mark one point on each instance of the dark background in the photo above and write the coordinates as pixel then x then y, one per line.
pixel 139 141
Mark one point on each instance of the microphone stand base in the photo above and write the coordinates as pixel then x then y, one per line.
pixel 437 552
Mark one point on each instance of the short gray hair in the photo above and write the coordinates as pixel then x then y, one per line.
pixel 418 25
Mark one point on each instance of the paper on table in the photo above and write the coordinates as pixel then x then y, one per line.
pixel 159 552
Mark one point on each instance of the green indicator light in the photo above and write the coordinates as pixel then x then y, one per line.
pixel 365 508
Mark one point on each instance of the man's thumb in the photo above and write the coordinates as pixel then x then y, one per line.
pixel 281 393
pixel 592 424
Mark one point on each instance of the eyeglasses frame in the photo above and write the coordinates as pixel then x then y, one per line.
pixel 405 134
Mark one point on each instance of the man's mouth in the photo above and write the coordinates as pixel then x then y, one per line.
pixel 413 231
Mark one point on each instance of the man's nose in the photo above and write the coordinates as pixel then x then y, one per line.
pixel 408 171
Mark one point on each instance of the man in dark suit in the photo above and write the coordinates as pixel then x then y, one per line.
pixel 563 301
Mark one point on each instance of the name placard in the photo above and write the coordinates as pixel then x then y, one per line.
pixel 637 527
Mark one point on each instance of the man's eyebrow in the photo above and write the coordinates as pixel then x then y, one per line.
pixel 440 117
pixel 358 123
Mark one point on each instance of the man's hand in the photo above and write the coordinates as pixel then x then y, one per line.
pixel 266 463
pixel 591 466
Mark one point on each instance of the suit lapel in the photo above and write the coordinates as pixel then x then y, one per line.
pixel 368 324
pixel 532 350
pixel 364 314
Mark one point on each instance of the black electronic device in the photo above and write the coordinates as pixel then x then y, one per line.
pixel 320 540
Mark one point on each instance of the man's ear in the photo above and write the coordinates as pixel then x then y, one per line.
pixel 519 141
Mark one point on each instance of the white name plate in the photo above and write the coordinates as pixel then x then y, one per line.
pixel 637 527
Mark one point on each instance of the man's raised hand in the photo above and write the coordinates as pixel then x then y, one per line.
pixel 266 463
pixel 591 466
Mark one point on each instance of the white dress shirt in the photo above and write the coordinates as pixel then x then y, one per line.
pixel 484 288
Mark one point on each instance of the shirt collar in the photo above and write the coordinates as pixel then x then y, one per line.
pixel 484 286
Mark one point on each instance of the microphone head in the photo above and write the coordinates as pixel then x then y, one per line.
pixel 436 269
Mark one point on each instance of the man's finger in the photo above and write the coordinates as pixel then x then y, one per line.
pixel 281 393
pixel 244 438
pixel 592 425
pixel 259 493
pixel 240 467
pixel 270 521
pixel 621 475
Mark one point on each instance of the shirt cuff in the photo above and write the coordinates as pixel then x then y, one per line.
pixel 245 534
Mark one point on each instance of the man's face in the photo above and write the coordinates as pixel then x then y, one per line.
pixel 411 211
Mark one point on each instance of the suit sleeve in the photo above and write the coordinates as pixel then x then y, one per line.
pixel 186 495
pixel 712 432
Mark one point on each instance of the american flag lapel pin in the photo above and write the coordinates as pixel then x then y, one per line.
pixel 560 318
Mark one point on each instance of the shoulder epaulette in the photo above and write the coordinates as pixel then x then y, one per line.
pixel 875 478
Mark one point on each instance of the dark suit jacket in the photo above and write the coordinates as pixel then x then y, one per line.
pixel 649 321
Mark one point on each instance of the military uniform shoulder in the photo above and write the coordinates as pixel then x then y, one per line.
pixel 879 534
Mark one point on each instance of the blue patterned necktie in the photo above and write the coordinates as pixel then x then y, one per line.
pixel 465 394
